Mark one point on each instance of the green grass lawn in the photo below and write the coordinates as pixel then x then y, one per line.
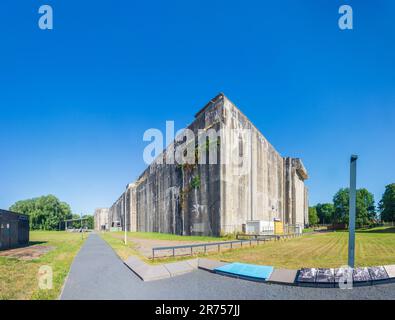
pixel 18 278
pixel 116 241
pixel 373 247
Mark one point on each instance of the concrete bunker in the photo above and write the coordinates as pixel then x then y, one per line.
pixel 221 198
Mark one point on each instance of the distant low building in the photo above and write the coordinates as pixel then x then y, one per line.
pixel 14 229
pixel 261 190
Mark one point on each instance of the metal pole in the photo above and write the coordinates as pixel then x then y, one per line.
pixel 124 207
pixel 352 208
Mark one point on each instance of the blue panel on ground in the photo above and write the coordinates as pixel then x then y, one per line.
pixel 244 270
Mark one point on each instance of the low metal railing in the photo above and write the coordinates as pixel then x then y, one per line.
pixel 268 237
pixel 265 237
pixel 257 238
pixel 206 245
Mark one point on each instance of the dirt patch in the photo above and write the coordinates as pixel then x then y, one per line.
pixel 26 253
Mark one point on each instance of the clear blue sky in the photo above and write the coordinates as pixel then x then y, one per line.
pixel 76 100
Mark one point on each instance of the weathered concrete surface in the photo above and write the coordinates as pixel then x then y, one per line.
pixel 134 262
pixel 296 198
pixel 209 265
pixel 101 219
pixel 149 272
pixel 283 276
pixel 390 270
pixel 256 188
pixel 213 199
pixel 179 267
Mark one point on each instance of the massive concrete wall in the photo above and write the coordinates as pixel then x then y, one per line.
pixel 210 199
pixel 295 191
pixel 251 188
pixel 101 219
pixel 182 199
pixel 116 214
pixel 131 203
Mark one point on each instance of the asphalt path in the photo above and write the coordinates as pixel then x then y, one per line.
pixel 97 273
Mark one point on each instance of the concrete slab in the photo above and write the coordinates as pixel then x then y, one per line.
pixel 209 265
pixel 283 276
pixel 246 271
pixel 133 262
pixel 149 273
pixel 390 270
pixel 193 263
pixel 177 268
pixel 155 272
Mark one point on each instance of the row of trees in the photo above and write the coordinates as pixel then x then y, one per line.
pixel 366 214
pixel 48 213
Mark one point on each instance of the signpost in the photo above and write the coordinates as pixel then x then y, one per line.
pixel 352 209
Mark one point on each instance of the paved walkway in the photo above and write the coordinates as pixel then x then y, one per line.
pixel 98 273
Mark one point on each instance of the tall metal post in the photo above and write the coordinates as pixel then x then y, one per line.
pixel 352 209
pixel 124 209
pixel 82 230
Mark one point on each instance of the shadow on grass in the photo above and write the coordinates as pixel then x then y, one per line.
pixel 33 243
pixel 386 230
pixel 26 245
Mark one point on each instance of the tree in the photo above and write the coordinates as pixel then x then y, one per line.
pixel 313 217
pixel 75 224
pixel 365 209
pixel 88 221
pixel 325 212
pixel 387 203
pixel 45 213
pixel 341 205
